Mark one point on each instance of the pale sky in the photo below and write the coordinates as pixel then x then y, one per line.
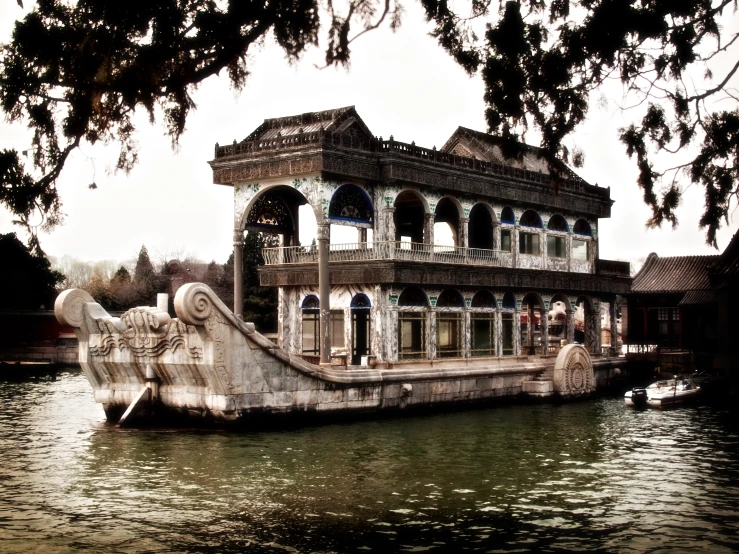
pixel 402 84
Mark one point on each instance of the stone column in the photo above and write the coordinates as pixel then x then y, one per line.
pixel 530 328
pixel 544 324
pixel 514 246
pixel 596 331
pixel 614 326
pixel 238 244
pixel 388 232
pixel 496 235
pixel 324 291
pixel 428 228
pixel 517 332
pixel 498 333
pixel 464 232
pixel 466 334
pixel 570 325
pixel 544 249
pixel 392 344
pixel 431 334
pixel 568 253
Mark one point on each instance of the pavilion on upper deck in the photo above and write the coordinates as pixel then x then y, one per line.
pixel 519 254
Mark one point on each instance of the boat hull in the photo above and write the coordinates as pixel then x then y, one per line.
pixel 208 365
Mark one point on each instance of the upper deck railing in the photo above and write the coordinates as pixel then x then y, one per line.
pixel 417 252
pixel 322 138
pixel 391 250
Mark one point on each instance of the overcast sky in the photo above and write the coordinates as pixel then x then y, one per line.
pixel 402 84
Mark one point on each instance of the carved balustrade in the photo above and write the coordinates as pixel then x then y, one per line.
pixel 390 250
pixel 569 181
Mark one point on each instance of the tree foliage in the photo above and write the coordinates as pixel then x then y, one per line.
pixel 543 62
pixel 76 72
pixel 260 303
pixel 27 279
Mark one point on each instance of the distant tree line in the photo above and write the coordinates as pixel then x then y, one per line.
pixel 139 284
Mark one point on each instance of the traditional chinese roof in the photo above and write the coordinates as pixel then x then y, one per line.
pixel 340 120
pixel 699 298
pixel 486 147
pixel 728 264
pixel 675 274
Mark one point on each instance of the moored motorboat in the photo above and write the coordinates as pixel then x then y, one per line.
pixel 664 393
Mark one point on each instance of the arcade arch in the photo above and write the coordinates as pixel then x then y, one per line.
pixel 449 323
pixel 410 218
pixel 482 324
pixel 412 314
pixel 481 227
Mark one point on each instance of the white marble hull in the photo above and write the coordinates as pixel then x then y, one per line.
pixel 209 365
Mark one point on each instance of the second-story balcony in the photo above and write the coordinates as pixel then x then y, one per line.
pixel 436 254
pixel 390 250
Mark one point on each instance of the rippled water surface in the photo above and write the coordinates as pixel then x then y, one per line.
pixel 586 476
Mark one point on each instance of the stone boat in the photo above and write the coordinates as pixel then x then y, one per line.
pixel 207 365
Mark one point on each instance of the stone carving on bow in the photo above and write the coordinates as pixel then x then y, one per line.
pixel 145 332
pixel 573 371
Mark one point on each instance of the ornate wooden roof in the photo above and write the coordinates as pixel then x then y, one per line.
pixel 339 120
pixel 487 147
pixel 675 274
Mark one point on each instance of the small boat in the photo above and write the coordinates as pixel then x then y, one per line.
pixel 662 394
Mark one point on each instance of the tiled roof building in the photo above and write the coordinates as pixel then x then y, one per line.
pixel 684 302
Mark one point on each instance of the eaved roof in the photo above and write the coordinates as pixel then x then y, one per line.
pixel 676 274
pixel 486 147
pixel 339 120
pixel 728 265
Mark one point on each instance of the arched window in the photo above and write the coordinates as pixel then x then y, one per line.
pixel 360 301
pixel 310 302
pixel 529 242
pixel 509 301
pixel 412 296
pixel 582 227
pixel 557 244
pixel 480 231
pixel 270 213
pixel 531 218
pixel 311 325
pixel 558 223
pixel 360 331
pixel 412 324
pixel 507 216
pixel 483 299
pixel 581 246
pixel 410 211
pixel 450 298
pixel 350 203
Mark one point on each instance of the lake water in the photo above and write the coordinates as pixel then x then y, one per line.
pixel 585 476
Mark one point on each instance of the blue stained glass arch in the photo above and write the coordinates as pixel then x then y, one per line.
pixel 509 301
pixel 310 302
pixel 360 300
pixel 350 203
pixel 507 216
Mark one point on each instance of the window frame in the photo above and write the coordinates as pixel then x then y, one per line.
pixel 523 237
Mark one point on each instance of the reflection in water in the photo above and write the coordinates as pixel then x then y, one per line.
pixel 588 475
